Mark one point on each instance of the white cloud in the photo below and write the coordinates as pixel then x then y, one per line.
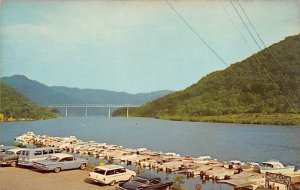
pixel 72 23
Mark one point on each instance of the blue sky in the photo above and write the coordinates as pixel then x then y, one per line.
pixel 132 46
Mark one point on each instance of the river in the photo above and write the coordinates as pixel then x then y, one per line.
pixel 222 141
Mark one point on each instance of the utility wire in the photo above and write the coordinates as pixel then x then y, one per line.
pixel 259 37
pixel 245 25
pixel 236 27
pixel 210 48
pixel 251 24
pixel 196 33
pixel 256 57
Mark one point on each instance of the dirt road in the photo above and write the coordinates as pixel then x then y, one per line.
pixel 28 179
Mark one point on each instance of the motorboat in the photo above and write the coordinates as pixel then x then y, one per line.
pixel 202 159
pixel 275 166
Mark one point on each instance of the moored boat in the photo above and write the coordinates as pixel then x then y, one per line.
pixel 202 159
pixel 275 166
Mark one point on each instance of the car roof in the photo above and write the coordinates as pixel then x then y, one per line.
pixel 110 167
pixel 16 149
pixel 148 176
pixel 62 155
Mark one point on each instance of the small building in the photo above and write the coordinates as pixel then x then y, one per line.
pixel 282 182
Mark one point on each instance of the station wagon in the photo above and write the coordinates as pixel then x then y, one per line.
pixel 111 174
pixel 27 156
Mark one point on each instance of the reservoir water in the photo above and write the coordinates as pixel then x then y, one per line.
pixel 222 141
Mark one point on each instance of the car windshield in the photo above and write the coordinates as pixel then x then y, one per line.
pixel 99 171
pixel 141 180
pixel 53 158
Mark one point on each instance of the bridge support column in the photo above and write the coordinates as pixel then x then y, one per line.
pixel 66 114
pixel 86 111
pixel 109 112
pixel 127 112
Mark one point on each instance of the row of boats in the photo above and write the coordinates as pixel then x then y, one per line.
pixel 203 166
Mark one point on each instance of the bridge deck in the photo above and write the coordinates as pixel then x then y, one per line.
pixel 93 105
pixel 86 106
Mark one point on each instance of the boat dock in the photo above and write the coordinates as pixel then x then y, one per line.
pixel 245 175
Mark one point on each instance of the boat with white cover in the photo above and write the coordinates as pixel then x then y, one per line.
pixel 275 166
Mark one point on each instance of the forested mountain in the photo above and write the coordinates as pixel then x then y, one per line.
pixel 15 106
pixel 47 95
pixel 267 82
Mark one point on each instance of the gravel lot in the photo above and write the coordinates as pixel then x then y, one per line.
pixel 29 179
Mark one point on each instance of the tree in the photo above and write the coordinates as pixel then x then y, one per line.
pixel 178 181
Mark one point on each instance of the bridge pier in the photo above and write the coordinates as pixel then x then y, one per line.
pixel 86 111
pixel 109 114
pixel 66 114
pixel 127 112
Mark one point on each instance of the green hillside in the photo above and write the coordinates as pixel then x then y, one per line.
pixel 14 106
pixel 241 93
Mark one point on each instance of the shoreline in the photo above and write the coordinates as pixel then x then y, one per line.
pixel 291 120
pixel 25 119
pixel 256 118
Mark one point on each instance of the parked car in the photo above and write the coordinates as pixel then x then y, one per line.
pixel 27 156
pixel 146 182
pixel 60 161
pixel 10 156
pixel 111 174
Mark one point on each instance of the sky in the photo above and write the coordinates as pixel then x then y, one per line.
pixel 133 46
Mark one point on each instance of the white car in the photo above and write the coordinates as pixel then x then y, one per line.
pixel 111 174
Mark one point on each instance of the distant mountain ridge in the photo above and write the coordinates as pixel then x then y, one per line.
pixel 222 93
pixel 45 95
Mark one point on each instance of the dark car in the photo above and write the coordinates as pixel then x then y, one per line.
pixel 146 182
pixel 10 156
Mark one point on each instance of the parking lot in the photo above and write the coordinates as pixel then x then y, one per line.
pixel 28 179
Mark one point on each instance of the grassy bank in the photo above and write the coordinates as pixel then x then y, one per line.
pixel 20 119
pixel 266 119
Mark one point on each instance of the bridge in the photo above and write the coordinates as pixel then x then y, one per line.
pixel 86 106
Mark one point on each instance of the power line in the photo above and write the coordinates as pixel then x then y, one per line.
pixel 196 33
pixel 245 25
pixel 210 48
pixel 241 34
pixel 256 57
pixel 251 24
pixel 240 5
